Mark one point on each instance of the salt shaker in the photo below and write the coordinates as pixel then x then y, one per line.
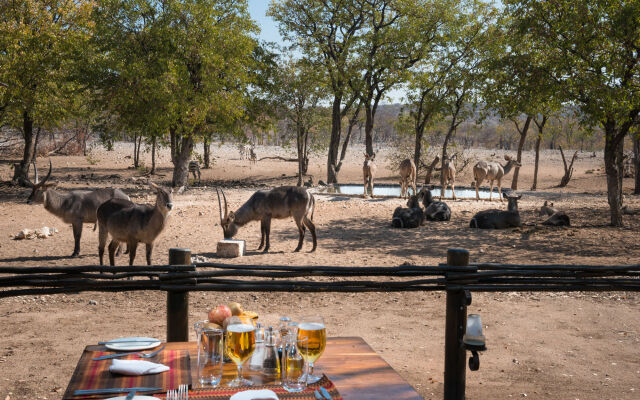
pixel 255 364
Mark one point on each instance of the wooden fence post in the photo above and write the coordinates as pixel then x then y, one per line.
pixel 454 353
pixel 178 302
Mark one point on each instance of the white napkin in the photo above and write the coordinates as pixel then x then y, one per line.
pixel 263 394
pixel 136 367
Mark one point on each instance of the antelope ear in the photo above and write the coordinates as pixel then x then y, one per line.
pixel 231 216
pixel 545 202
pixel 506 157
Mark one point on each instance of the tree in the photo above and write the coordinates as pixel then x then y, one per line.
pixel 299 95
pixel 591 50
pixel 173 66
pixel 41 44
pixel 327 32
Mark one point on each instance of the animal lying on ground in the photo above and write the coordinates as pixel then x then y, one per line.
pixel 132 223
pixel 407 177
pixel 547 209
pixel 492 171
pixel 75 207
pixel 558 218
pixel 498 219
pixel 433 210
pixel 264 205
pixel 368 172
pixel 410 217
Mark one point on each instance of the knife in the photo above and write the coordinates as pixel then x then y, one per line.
pixel 325 393
pixel 130 395
pixel 115 390
pixel 128 341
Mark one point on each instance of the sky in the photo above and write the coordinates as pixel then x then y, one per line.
pixel 269 32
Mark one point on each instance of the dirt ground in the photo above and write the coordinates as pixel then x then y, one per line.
pixel 540 345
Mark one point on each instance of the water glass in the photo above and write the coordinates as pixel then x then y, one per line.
pixel 295 377
pixel 210 356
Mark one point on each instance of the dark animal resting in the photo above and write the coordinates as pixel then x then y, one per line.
pixel 559 218
pixel 547 209
pixel 411 217
pixel 433 210
pixel 75 207
pixel 265 205
pixel 498 219
pixel 132 223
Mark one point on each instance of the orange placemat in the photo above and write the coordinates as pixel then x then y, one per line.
pixel 223 392
pixel 91 374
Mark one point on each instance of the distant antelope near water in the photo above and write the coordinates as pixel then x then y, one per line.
pixel 407 177
pixel 368 172
pixel 76 207
pixel 264 205
pixel 492 171
pixel 449 176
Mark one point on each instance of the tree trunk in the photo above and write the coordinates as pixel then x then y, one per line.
pixel 427 177
pixel 534 186
pixel 568 169
pixel 174 144
pixel 523 138
pixel 300 145
pixel 613 152
pixel 153 155
pixel 207 152
pixel 305 152
pixel 181 161
pixel 334 142
pixel 35 145
pixel 352 122
pixel 21 170
pixel 417 151
pixel 444 157
pixel 636 163
pixel 368 128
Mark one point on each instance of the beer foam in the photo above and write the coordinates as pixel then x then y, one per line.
pixel 240 328
pixel 310 326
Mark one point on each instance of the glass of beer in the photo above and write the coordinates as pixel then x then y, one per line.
pixel 240 342
pixel 313 329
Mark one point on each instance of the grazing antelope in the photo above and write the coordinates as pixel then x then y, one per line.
pixel 368 172
pixel 449 176
pixel 498 219
pixel 75 207
pixel 492 171
pixel 133 223
pixel 407 177
pixel 264 205
pixel 194 166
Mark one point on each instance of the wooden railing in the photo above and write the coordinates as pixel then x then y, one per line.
pixel 457 277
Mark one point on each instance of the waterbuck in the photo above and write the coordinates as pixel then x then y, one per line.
pixel 449 176
pixel 264 205
pixel 498 219
pixel 368 172
pixel 75 207
pixel 132 223
pixel 407 177
pixel 433 210
pixel 547 209
pixel 492 171
pixel 411 217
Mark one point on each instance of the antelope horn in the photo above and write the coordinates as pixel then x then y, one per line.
pixel 219 206
pixel 226 209
pixel 48 174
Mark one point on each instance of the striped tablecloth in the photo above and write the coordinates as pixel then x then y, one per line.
pixel 91 374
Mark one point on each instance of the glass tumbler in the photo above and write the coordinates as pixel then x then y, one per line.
pixel 210 356
pixel 295 378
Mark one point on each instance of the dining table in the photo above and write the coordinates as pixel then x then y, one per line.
pixel 356 370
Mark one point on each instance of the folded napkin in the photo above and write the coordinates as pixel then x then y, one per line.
pixel 263 394
pixel 136 367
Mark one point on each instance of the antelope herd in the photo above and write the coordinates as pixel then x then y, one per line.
pixel 126 222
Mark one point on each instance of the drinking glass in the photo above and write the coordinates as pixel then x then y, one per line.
pixel 314 330
pixel 239 344
pixel 210 356
pixel 295 379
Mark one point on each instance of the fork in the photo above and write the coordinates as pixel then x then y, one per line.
pixel 141 355
pixel 172 395
pixel 183 392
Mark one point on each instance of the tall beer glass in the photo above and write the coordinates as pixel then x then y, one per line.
pixel 240 342
pixel 314 330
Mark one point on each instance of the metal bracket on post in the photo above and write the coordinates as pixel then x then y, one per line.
pixel 178 302
pixel 455 358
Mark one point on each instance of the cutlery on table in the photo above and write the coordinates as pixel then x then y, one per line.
pixel 130 395
pixel 183 392
pixel 139 354
pixel 82 392
pixel 317 395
